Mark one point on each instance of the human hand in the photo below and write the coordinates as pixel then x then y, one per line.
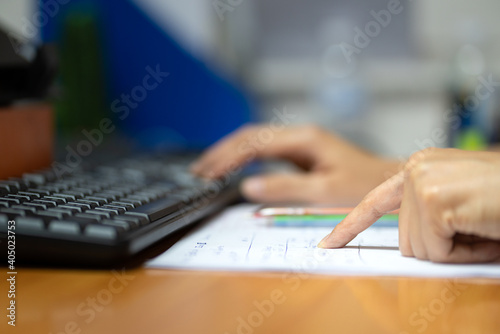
pixel 449 207
pixel 332 170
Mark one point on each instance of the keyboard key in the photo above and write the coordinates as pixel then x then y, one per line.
pixel 21 184
pixel 135 203
pixel 37 206
pixel 67 197
pixel 29 224
pixel 12 213
pixel 66 212
pixel 150 195
pixel 21 198
pixel 3 222
pixel 57 200
pixel 90 218
pixel 103 231
pixel 117 193
pixel 127 206
pixel 31 195
pixel 53 188
pixel 26 208
pixel 83 206
pixel 35 178
pixel 4 190
pixel 133 219
pixel 100 200
pixel 119 209
pixel 101 213
pixel 51 215
pixel 92 204
pixel 39 191
pixel 187 195
pixel 11 186
pixel 142 199
pixel 83 191
pixel 63 186
pixel 91 187
pixel 64 227
pixel 10 200
pixel 157 209
pixel 126 190
pixel 73 209
pixel 107 196
pixel 49 204
pixel 112 212
pixel 120 223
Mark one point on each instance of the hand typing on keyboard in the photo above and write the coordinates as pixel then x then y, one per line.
pixel 334 171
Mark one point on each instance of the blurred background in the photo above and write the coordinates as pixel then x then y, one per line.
pixel 391 76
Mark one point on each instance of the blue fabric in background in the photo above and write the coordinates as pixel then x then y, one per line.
pixel 193 107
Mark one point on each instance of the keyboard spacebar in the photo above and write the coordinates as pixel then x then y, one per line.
pixel 157 209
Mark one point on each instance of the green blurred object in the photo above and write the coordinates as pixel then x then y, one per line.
pixel 389 220
pixel 472 140
pixel 83 100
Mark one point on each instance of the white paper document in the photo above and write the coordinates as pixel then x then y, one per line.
pixel 237 241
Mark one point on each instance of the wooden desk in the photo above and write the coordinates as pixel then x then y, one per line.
pixel 165 301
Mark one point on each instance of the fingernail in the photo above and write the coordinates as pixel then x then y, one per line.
pixel 253 186
pixel 322 243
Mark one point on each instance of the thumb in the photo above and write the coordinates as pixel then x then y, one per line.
pixel 290 187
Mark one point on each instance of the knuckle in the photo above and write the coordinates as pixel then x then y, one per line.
pixel 419 171
pixel 428 152
pixel 447 219
pixel 420 156
pixel 429 195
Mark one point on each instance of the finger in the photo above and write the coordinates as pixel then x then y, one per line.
pixel 403 226
pixel 484 251
pixel 252 143
pixel 280 188
pixel 414 223
pixel 222 147
pixel 463 238
pixel 381 200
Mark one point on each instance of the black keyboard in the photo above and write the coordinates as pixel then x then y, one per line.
pixel 103 215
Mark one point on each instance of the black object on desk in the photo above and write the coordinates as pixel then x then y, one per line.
pixel 104 215
pixel 22 78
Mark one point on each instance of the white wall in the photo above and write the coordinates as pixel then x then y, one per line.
pixel 442 25
pixel 12 12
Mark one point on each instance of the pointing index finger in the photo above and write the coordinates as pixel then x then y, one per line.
pixel 381 200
